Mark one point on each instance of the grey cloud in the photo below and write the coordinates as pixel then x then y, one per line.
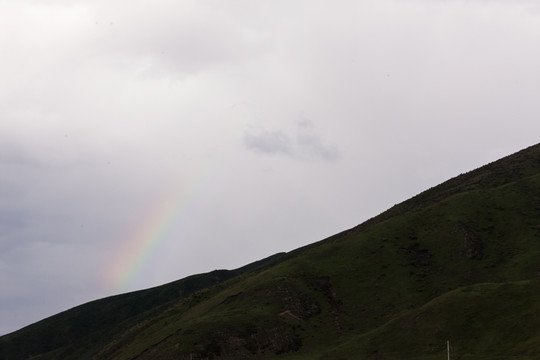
pixel 19 157
pixel 312 147
pixel 12 224
pixel 269 142
pixel 303 144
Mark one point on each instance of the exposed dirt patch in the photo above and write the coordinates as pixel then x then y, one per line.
pixel 324 285
pixel 473 247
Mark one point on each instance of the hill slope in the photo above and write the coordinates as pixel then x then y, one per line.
pixel 460 261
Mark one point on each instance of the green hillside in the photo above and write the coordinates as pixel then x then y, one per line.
pixel 458 262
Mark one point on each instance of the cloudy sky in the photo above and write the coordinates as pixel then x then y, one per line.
pixel 144 141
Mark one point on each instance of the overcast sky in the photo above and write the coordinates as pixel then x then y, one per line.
pixel 145 141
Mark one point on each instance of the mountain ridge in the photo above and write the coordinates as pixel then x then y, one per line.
pixel 462 245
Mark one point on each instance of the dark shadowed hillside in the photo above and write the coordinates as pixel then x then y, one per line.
pixel 458 262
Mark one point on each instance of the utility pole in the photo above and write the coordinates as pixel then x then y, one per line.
pixel 448 349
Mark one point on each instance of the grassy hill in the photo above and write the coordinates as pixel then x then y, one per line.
pixel 458 262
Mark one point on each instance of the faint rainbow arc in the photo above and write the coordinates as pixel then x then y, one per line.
pixel 143 242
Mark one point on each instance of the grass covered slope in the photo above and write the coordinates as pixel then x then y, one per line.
pixel 460 261
pixel 500 318
pixel 78 332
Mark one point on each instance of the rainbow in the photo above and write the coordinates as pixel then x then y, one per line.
pixel 141 243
